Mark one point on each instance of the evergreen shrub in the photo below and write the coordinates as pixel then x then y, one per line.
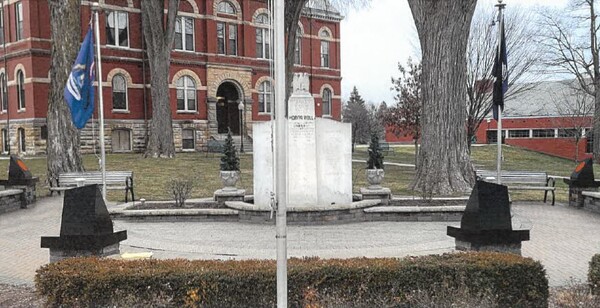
pixel 511 280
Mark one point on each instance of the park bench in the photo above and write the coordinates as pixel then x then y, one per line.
pixel 214 146
pixel 115 180
pixel 384 146
pixel 521 180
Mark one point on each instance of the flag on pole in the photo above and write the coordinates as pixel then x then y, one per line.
pixel 79 91
pixel 501 74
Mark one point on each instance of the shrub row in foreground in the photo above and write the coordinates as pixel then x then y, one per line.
pixel 512 281
pixel 594 274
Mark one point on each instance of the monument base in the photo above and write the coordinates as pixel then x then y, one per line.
pixel 514 248
pixel 57 254
pixel 575 196
pixel 223 195
pixel 27 185
pixel 501 240
pixel 383 193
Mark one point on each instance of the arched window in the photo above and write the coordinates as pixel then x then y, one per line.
pixel 324 35
pixel 225 8
pixel 265 97
pixel 21 140
pixel 298 48
pixel 119 92
pixel 327 102
pixel 21 90
pixel 186 94
pixel 3 93
pixel 121 140
pixel 263 39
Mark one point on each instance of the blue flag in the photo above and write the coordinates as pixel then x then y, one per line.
pixel 501 74
pixel 79 91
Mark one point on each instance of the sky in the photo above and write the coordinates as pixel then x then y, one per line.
pixel 374 39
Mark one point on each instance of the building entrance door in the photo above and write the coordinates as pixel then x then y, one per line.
pixel 228 115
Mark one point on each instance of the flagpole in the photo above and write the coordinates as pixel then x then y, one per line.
pixel 280 153
pixel 500 6
pixel 96 9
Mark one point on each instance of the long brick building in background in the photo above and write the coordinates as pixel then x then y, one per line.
pixel 221 57
pixel 538 120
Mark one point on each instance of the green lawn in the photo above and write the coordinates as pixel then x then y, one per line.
pixel 152 174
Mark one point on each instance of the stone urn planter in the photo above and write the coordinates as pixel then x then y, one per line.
pixel 229 179
pixel 375 177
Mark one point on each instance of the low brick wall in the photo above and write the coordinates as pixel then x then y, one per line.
pixel 361 211
pixel 11 200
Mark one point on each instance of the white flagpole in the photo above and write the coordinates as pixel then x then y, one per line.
pixel 280 154
pixel 499 122
pixel 96 9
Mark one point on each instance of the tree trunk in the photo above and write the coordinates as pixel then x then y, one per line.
pixel 577 149
pixel 293 9
pixel 596 122
pixel 416 152
pixel 62 146
pixel 159 40
pixel 444 165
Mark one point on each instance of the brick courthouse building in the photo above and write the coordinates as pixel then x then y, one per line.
pixel 220 58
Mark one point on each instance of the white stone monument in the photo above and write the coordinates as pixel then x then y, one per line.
pixel 319 155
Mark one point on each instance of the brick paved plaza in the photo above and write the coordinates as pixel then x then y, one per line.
pixel 563 239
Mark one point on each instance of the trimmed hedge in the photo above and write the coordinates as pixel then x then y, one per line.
pixel 594 274
pixel 513 281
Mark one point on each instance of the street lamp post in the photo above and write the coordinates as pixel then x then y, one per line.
pixel 241 109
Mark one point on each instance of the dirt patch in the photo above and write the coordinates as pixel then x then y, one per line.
pixel 20 296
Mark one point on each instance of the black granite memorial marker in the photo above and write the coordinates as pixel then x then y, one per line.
pixel 20 177
pixel 86 228
pixel 581 179
pixel 486 223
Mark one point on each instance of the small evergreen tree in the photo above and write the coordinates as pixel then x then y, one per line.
pixel 375 153
pixel 229 160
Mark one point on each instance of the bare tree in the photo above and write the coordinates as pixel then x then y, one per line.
pixel 572 42
pixel 575 108
pixel 444 166
pixel 62 146
pixel 159 34
pixel 404 119
pixel 483 41
pixel 355 113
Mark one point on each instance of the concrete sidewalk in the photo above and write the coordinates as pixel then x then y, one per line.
pixel 563 239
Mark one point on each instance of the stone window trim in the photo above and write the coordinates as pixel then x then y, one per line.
pixel 325 34
pixel 189 73
pixel 257 14
pixel 236 6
